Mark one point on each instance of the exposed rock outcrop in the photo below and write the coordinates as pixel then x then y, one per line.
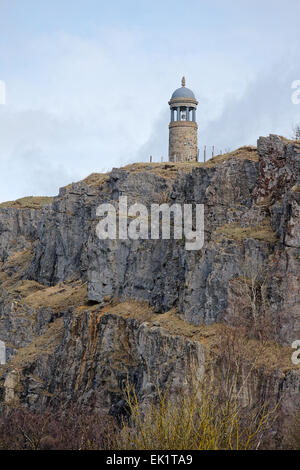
pixel 80 315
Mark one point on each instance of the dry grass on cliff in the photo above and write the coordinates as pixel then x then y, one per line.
pixel 58 297
pixel 247 152
pixel 290 141
pixel 131 309
pixel 35 296
pixel 271 354
pixel 19 259
pixel 170 169
pixel 170 321
pixel 95 180
pixel 42 346
pixel 266 354
pixel 30 202
pixel 236 232
pixel 21 289
pixel 14 267
pixel 167 170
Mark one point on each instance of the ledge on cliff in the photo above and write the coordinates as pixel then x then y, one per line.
pixel 30 202
pixel 169 170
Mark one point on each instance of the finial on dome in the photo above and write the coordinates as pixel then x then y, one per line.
pixel 183 81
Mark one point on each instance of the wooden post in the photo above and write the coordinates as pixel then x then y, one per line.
pixel 150 158
pixel 2 353
pixel 204 153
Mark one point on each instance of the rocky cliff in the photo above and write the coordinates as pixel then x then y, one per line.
pixel 80 316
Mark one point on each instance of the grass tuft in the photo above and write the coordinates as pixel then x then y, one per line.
pixel 30 202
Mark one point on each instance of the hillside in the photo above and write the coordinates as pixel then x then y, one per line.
pixel 80 315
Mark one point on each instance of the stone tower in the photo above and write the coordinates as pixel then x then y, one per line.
pixel 183 141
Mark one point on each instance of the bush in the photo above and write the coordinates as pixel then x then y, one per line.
pixel 61 429
pixel 192 420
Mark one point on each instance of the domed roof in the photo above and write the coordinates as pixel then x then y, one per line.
pixel 183 92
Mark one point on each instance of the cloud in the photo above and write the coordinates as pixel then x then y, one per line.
pixel 265 108
pixel 28 140
pixel 157 144
pixel 80 103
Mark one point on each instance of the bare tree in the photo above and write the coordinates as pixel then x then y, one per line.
pixel 248 304
pixel 63 428
pixel 296 132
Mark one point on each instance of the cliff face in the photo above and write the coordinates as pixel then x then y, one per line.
pixel 78 314
pixel 251 228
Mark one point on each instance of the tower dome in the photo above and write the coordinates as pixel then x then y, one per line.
pixel 183 92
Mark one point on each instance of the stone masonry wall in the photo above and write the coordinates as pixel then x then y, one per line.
pixel 179 133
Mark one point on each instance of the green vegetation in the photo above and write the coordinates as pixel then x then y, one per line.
pixel 194 419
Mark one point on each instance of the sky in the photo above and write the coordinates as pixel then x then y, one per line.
pixel 88 81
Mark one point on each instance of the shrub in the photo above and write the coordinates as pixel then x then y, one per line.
pixel 196 419
pixel 61 429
